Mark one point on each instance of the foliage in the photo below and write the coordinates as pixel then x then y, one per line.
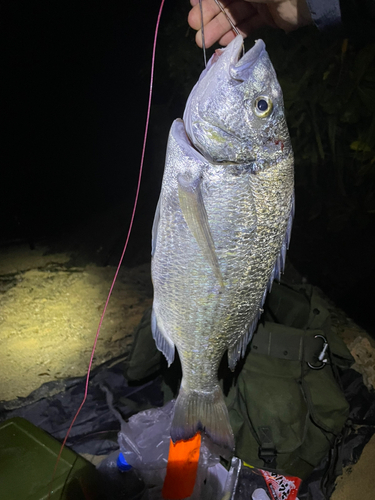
pixel 329 93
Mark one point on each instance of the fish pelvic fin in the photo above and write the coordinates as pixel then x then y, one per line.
pixel 202 411
pixel 194 211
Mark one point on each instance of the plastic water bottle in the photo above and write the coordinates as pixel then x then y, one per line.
pixel 119 480
pixel 259 494
pixel 122 464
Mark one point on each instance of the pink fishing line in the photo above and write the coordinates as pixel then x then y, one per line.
pixel 125 246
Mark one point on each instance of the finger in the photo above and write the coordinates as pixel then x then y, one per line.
pixel 219 26
pixel 259 20
pixel 265 17
pixel 210 10
pixel 213 30
pixel 227 38
pixel 245 28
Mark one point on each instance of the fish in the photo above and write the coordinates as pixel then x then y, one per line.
pixel 221 228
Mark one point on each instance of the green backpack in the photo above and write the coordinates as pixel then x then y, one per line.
pixel 285 404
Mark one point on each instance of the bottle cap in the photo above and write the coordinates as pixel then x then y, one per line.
pixel 122 464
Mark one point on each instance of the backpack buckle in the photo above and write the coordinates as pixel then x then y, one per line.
pixel 322 358
pixel 267 451
pixel 268 455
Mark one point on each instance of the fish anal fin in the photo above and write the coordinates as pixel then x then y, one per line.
pixel 162 341
pixel 202 411
pixel 194 211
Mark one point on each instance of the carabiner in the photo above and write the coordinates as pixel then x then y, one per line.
pixel 322 356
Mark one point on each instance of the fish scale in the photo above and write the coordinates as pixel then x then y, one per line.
pixel 221 228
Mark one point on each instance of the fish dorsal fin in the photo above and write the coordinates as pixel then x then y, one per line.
pixel 239 349
pixel 194 211
pixel 162 340
pixel 280 261
pixel 237 352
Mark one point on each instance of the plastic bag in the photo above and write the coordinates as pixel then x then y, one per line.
pixel 144 442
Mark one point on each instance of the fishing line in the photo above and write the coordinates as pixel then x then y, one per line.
pixel 202 30
pixel 232 25
pixel 228 18
pixel 123 252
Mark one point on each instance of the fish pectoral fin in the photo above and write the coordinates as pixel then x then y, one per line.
pixel 162 341
pixel 202 411
pixel 194 211
pixel 155 225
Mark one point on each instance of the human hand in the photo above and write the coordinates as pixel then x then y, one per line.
pixel 246 15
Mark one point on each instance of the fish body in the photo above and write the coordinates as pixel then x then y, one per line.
pixel 221 228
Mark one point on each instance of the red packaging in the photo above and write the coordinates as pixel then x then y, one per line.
pixel 281 487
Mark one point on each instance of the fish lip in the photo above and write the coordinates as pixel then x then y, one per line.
pixel 240 67
pixel 234 49
pixel 236 64
pixel 234 163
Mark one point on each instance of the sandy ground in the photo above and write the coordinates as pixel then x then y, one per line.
pixel 49 313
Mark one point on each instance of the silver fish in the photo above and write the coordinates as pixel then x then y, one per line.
pixel 221 229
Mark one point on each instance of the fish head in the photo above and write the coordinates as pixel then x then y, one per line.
pixel 235 112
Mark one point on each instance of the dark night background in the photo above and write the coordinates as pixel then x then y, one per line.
pixel 76 81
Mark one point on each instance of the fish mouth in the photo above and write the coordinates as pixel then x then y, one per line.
pixel 238 67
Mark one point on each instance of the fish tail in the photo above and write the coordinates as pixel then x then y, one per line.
pixel 202 411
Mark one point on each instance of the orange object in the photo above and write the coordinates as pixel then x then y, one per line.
pixel 182 468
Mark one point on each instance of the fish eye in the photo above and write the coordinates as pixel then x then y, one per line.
pixel 263 106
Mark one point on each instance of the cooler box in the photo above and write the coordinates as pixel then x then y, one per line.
pixel 27 459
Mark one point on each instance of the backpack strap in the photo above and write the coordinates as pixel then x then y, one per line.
pixel 267 449
pixel 262 435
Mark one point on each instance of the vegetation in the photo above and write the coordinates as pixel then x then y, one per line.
pixel 329 93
